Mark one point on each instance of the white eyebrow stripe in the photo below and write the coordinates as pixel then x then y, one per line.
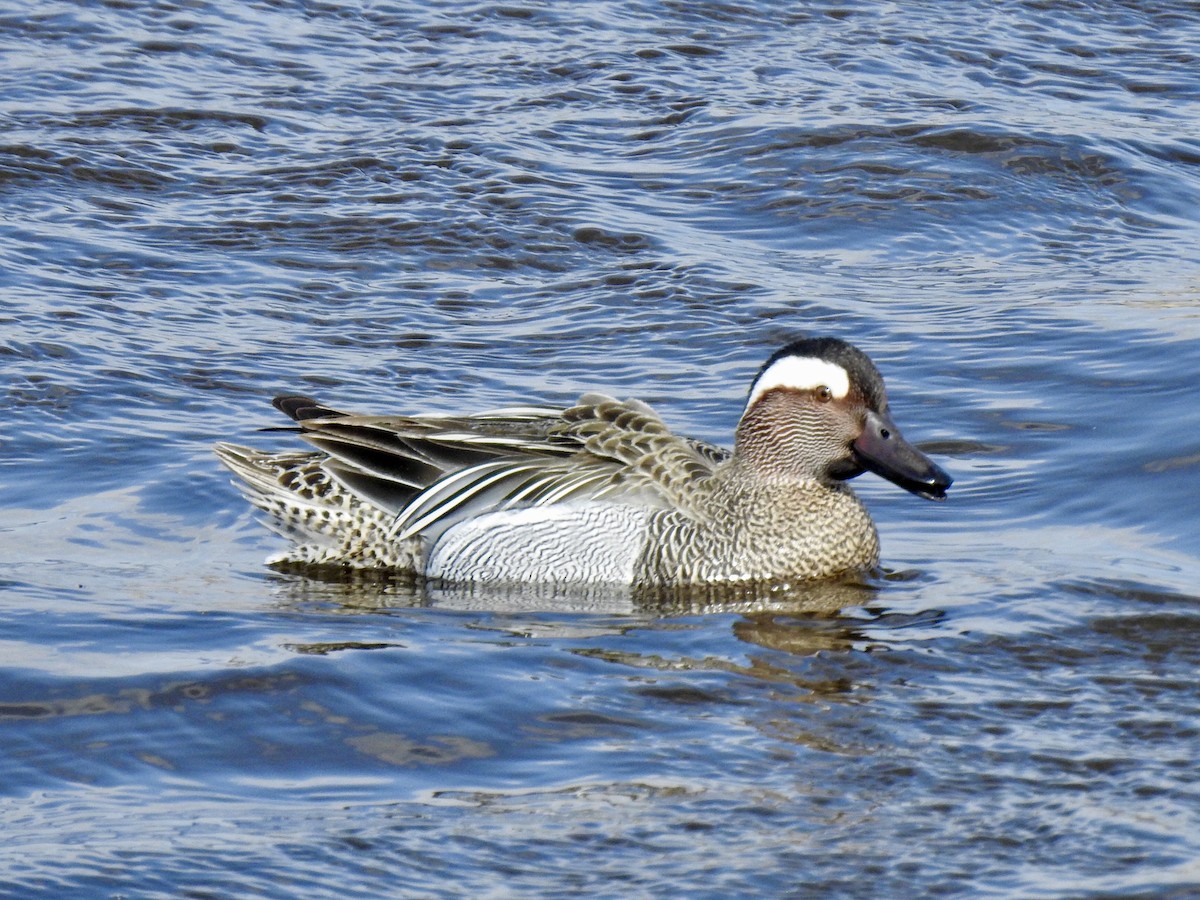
pixel 801 374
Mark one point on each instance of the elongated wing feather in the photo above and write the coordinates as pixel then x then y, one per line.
pixel 431 471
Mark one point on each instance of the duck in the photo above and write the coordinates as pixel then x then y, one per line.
pixel 598 493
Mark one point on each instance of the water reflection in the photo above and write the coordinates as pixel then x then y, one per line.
pixel 63 702
pixel 373 590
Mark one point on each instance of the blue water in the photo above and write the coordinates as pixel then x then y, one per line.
pixel 412 207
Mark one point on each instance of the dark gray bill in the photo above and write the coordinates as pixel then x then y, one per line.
pixel 883 450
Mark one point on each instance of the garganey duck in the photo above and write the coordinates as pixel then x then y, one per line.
pixel 600 493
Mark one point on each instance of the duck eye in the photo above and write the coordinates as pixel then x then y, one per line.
pixel 824 394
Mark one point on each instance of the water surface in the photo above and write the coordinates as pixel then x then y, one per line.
pixel 448 207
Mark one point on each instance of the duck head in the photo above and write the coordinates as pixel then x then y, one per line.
pixel 818 409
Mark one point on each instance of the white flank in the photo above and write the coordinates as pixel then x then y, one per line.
pixel 594 543
pixel 801 373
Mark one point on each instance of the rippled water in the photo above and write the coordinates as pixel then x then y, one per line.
pixel 450 206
